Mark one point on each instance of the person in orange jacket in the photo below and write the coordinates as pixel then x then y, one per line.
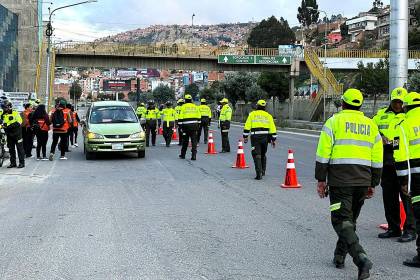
pixel 75 128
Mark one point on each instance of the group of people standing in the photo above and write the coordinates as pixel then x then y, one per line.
pixel 189 119
pixel 35 122
pixel 356 153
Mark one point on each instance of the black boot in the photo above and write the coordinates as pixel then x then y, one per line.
pixel 21 165
pixel 339 261
pixel 182 156
pixel 258 177
pixel 364 269
pixel 193 157
pixel 407 237
pixel 12 165
pixel 415 262
pixel 389 234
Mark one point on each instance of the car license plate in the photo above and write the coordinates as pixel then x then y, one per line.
pixel 118 146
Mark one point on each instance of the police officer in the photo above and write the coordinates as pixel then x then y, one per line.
pixel 141 114
pixel 180 102
pixel 387 119
pixel 349 160
pixel 152 115
pixel 407 161
pixel 224 120
pixel 260 125
pixel 205 112
pixel 189 120
pixel 12 124
pixel 168 119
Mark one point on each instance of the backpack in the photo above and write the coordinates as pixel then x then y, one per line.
pixel 58 119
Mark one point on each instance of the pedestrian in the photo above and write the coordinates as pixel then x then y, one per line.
pixel 189 120
pixel 224 119
pixel 12 122
pixel 205 112
pixel 152 116
pixel 180 102
pixel 61 120
pixel 407 161
pixel 168 123
pixel 348 167
pixel 40 126
pixel 260 125
pixel 27 134
pixel 141 114
pixel 67 110
pixel 74 128
pixel 387 120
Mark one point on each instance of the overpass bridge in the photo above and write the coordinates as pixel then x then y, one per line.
pixel 117 55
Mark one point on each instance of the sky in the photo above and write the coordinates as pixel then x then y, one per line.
pixel 106 17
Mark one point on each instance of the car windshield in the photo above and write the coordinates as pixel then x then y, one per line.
pixel 113 114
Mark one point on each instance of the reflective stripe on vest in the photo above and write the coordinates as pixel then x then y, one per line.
pixel 335 207
pixel 355 161
pixel 415 199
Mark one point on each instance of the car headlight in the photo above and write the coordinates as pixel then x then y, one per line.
pixel 93 135
pixel 137 135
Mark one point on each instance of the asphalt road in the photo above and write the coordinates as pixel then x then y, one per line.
pixel 120 217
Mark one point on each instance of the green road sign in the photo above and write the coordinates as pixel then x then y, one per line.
pixel 273 60
pixel 236 59
pixel 254 59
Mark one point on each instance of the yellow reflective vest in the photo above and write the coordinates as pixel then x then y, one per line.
pixel 225 113
pixel 205 111
pixel 141 111
pixel 168 115
pixel 189 114
pixel 14 117
pixel 350 151
pixel 260 122
pixel 407 150
pixel 177 111
pixel 152 114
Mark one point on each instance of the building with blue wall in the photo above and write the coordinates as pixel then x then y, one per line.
pixel 9 50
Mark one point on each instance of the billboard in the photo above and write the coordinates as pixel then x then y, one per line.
pixel 18 99
pixel 126 74
pixel 117 85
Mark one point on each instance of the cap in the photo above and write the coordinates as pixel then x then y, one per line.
pixel 63 102
pixel 398 94
pixel 203 100
pixel 37 101
pixel 353 97
pixel 180 101
pixel 224 100
pixel 411 99
pixel 188 97
pixel 142 104
pixel 261 103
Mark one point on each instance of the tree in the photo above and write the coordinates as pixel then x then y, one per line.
pixel 344 30
pixel 271 33
pixel 373 79
pixel 255 93
pixel 146 97
pixel 275 84
pixel 209 94
pixel 75 91
pixel 192 90
pixel 376 6
pixel 163 93
pixel 308 16
pixel 236 84
pixel 414 82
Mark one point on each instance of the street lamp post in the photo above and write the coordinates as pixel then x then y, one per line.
pixel 325 56
pixel 192 20
pixel 49 33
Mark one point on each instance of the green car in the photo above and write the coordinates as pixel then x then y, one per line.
pixel 112 126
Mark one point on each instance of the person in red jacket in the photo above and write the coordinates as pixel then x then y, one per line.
pixel 61 121
pixel 75 128
pixel 40 126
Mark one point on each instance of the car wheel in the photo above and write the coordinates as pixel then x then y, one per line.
pixel 89 156
pixel 141 154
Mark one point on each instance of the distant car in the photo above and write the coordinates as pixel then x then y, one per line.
pixel 112 126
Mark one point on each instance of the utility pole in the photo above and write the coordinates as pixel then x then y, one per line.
pixel 398 51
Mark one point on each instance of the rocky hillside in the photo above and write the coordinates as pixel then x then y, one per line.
pixel 220 34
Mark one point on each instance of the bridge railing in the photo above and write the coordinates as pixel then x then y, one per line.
pixel 341 53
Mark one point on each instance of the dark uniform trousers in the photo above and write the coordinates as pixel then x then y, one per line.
pixel 344 220
pixel 259 144
pixel 16 143
pixel 167 132
pixel 391 189
pixel 415 191
pixel 189 132
pixel 28 140
pixel 224 128
pixel 151 126
pixel 204 126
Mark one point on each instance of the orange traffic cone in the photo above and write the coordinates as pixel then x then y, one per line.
pixel 291 180
pixel 403 217
pixel 160 131
pixel 240 157
pixel 174 134
pixel 211 149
